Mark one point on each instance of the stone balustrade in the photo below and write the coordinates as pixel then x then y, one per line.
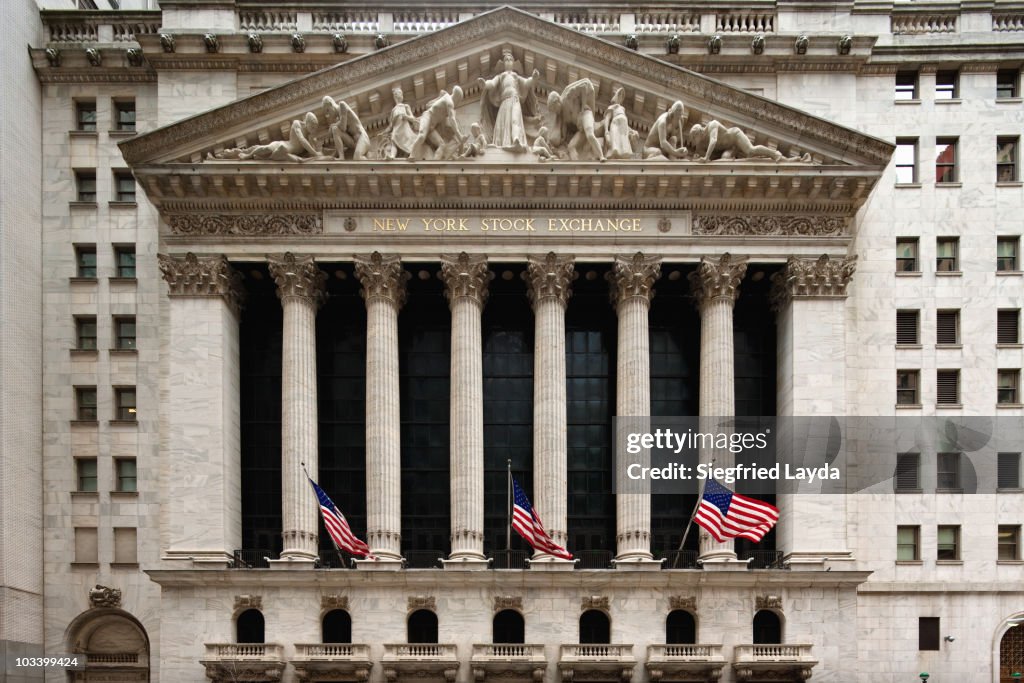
pixel 684 653
pixel 753 662
pixel 685 662
pixel 508 651
pixel 223 661
pixel 331 651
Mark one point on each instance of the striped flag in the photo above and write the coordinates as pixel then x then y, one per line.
pixel 725 514
pixel 337 526
pixel 528 525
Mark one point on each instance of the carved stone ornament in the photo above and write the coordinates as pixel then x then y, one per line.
pixel 672 44
pixel 507 602
pixel 718 279
pixel 53 56
pixel 800 45
pixel 422 602
pixel 102 596
pixel 595 602
pixel 134 56
pixel 821 277
pixel 465 276
pixel 808 226
pixel 205 276
pixel 714 44
pixel 844 45
pixel 243 602
pixel 334 602
pixel 167 42
pixel 682 602
pixel 340 43
pixel 768 602
pixel 255 43
pixel 631 41
pixel 549 277
pixel 381 41
pixel 787 674
pixel 757 44
pixel 349 224
pixel 299 277
pixel 94 56
pixel 247 225
pixel 664 224
pixel 382 277
pixel 298 43
pixel 212 43
pixel 633 276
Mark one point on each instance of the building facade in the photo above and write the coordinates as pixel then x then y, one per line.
pixel 408 250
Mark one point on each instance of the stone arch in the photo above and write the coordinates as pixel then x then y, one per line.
pixel 421 626
pixel 1008 649
pixel 680 627
pixel 768 627
pixel 508 626
pixel 595 627
pixel 114 643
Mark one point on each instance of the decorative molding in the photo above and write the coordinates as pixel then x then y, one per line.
pixel 329 602
pixel 465 276
pixel 102 596
pixel 803 277
pixel 298 277
pixel 422 602
pixel 382 277
pixel 207 276
pixel 633 276
pixel 243 602
pixel 688 602
pixel 762 225
pixel 550 276
pixel 664 224
pixel 768 602
pixel 595 602
pixel 715 280
pixel 246 225
pixel 507 602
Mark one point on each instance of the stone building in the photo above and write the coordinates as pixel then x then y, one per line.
pixel 242 240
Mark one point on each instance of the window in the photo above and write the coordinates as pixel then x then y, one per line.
pixel 906 161
pixel 85 186
pixel 946 85
pixel 124 187
pixel 125 401
pixel 908 543
pixel 907 327
pixel 680 628
pixel 1006 83
pixel 124 115
pixel 1009 542
pixel 946 254
pixel 908 472
pixel 85 404
pixel 336 627
pixel 126 547
pixel 85 261
pixel 906 255
pixel 1006 253
pixel 767 628
pixel 1008 326
pixel 127 480
pixel 906 85
pixel 1008 470
pixel 249 627
pixel 1006 159
pixel 85 333
pixel 86 471
pixel 946 160
pixel 508 627
pixel 124 333
pixel 85 545
pixel 948 543
pixel 947 476
pixel 928 633
pixel 422 627
pixel 1009 384
pixel 595 628
pixel 85 116
pixel 906 387
pixel 124 259
pixel 947 327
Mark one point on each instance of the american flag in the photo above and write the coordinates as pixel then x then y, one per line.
pixel 527 523
pixel 725 514
pixel 337 526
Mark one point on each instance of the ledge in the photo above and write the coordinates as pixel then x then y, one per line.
pixel 83 133
pixel 953 491
pixel 124 565
pixel 950 406
pixel 123 352
pixel 1009 406
pixel 1013 563
pixel 86 495
pixel 907 491
pixel 949 347
pixel 909 563
pixel 955 100
pixel 122 205
pixel 1009 183
pixel 85 353
pixel 908 273
pixel 120 134
pixel 85 565
pixel 83 205
pixel 1009 273
pixel 124 494
pixel 124 280
pixel 85 423
pixel 909 406
pixel 949 273
pixel 949 562
pixel 1016 490
pixel 83 280
pixel 908 186
pixel 1009 100
pixel 909 347
pixel 954 184
pixel 124 423
pixel 905 102
pixel 1010 346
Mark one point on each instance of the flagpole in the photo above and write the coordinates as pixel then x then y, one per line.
pixel 341 558
pixel 508 513
pixel 700 494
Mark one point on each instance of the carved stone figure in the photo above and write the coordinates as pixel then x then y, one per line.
pixel 402 127
pixel 102 596
pixel 541 147
pixel 439 136
pixel 295 148
pixel 721 142
pixel 345 129
pixel 475 143
pixel 618 136
pixel 506 99
pixel 574 118
pixel 668 126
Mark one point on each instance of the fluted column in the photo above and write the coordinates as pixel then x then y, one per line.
pixel 300 287
pixel 466 278
pixel 632 280
pixel 383 280
pixel 549 286
pixel 715 286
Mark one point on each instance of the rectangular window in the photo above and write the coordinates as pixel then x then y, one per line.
pixel 906 255
pixel 1009 542
pixel 1008 471
pixel 1008 326
pixel 1006 83
pixel 947 387
pixel 126 474
pixel 85 333
pixel 946 254
pixel 85 545
pixel 906 161
pixel 1006 253
pixel 85 260
pixel 85 404
pixel 946 85
pixel 85 186
pixel 125 402
pixel 85 116
pixel 908 472
pixel 125 546
pixel 928 633
pixel 948 472
pixel 948 543
pixel 907 543
pixel 1006 159
pixel 907 382
pixel 947 327
pixel 124 186
pixel 906 85
pixel 124 258
pixel 1009 387
pixel 946 160
pixel 124 115
pixel 908 325
pixel 124 333
pixel 86 474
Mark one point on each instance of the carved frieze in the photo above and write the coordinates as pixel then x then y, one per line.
pixel 102 596
pixel 244 602
pixel 633 276
pixel 246 225
pixel 382 277
pixel 600 602
pixel 821 277
pixel 768 602
pixel 205 276
pixel 465 276
pixel 334 602
pixel 718 279
pixel 807 226
pixel 688 602
pixel 550 276
pixel 299 277
pixel 507 602
pixel 422 602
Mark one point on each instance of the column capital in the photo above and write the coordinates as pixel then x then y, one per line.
pixel 808 277
pixel 718 279
pixel 382 277
pixel 549 277
pixel 206 276
pixel 633 276
pixel 465 276
pixel 298 277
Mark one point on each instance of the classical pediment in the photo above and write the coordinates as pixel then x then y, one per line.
pixel 276 146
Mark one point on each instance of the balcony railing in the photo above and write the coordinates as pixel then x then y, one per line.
pixel 773 654
pixel 251 558
pixel 593 559
pixel 416 651
pixel 684 653
pixel 224 661
pixel 678 559
pixel 331 651
pixel 331 559
pixel 509 559
pixel 253 652
pixel 423 559
pixel 763 559
pixel 508 651
pixel 585 652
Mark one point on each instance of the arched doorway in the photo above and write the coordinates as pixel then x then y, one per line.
pixel 1011 653
pixel 767 628
pixel 115 645
pixel 595 627
pixel 249 627
pixel 422 627
pixel 508 627
pixel 336 627
pixel 680 628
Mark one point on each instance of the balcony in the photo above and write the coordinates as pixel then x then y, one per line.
pixel 421 661
pixel 763 559
pixel 585 662
pixel 316 662
pixel 678 559
pixel 703 663
pixel 231 662
pixel 509 559
pixel 755 663
pixel 509 662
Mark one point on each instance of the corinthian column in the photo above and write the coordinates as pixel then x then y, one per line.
pixel 632 280
pixel 300 287
pixel 715 286
pixel 549 281
pixel 465 285
pixel 383 281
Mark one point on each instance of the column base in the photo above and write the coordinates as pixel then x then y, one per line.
pixel 381 564
pixel 466 564
pixel 723 564
pixel 804 561
pixel 292 563
pixel 637 564
pixel 549 563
